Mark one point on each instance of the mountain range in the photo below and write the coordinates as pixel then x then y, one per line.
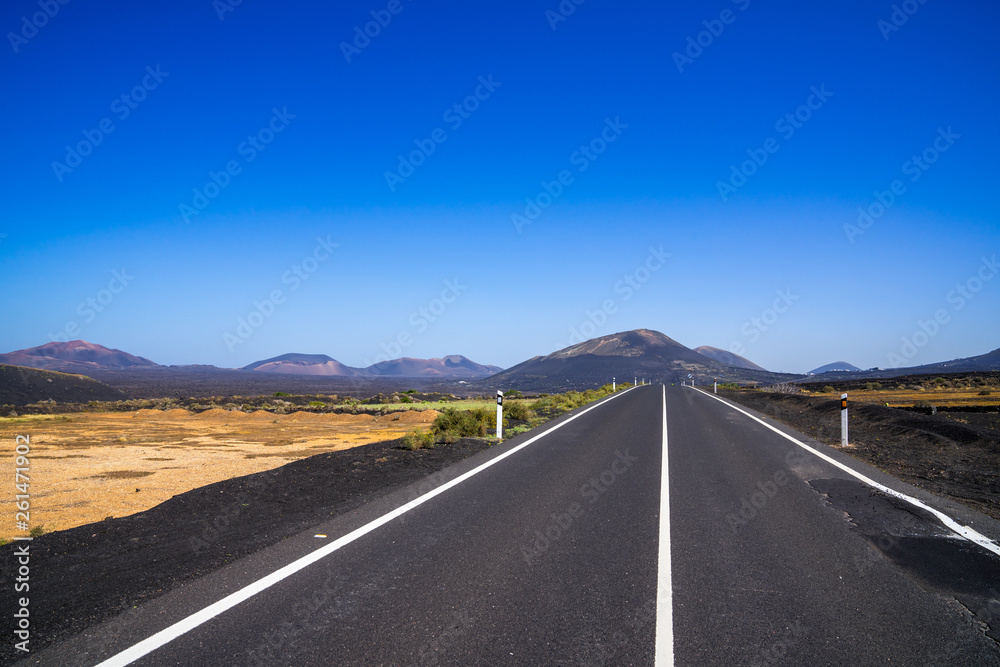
pixel 319 364
pixel 79 356
pixel 641 354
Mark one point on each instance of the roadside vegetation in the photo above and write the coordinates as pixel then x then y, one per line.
pixel 470 419
pixel 970 391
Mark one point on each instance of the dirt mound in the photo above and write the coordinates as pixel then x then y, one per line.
pixel 261 416
pixel 177 413
pixel 409 417
pixel 219 413
pixel 297 417
pixel 148 412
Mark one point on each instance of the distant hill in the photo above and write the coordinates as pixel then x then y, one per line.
pixel 319 364
pixel 451 366
pixel 20 385
pixel 76 356
pixel 727 358
pixel 304 364
pixel 984 362
pixel 628 355
pixel 835 366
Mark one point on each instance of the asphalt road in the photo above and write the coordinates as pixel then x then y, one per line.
pixel 552 555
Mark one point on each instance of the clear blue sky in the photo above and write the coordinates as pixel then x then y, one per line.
pixel 310 128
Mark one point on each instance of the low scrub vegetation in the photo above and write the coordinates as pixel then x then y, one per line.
pixel 477 419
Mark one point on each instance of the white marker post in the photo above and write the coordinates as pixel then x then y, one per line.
pixel 612 385
pixel 715 387
pixel 499 413
pixel 843 420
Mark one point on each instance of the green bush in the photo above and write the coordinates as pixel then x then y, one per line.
pixel 317 404
pixel 416 440
pixel 828 389
pixel 872 386
pixel 280 393
pixel 452 424
pixel 985 392
pixel 517 410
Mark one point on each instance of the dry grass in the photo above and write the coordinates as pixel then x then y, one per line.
pixel 899 398
pixel 86 467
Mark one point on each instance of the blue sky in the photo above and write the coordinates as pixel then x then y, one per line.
pixel 257 153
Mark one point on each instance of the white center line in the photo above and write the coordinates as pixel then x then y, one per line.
pixel 664 587
pixel 183 626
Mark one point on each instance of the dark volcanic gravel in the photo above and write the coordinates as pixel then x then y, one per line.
pixel 951 454
pixel 88 574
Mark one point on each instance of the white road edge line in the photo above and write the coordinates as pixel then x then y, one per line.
pixel 183 626
pixel 962 531
pixel 664 585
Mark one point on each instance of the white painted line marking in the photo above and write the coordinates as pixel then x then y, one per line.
pixel 318 535
pixel 664 586
pixel 962 531
pixel 183 626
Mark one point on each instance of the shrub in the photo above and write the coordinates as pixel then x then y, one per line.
pixel 281 393
pixel 464 423
pixel 985 392
pixel 872 386
pixel 317 404
pixel 517 410
pixel 405 399
pixel 828 389
pixel 37 531
pixel 416 440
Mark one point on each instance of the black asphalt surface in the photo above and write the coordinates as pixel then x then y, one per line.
pixel 549 557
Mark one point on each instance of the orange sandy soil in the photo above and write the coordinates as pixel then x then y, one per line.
pixel 86 467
